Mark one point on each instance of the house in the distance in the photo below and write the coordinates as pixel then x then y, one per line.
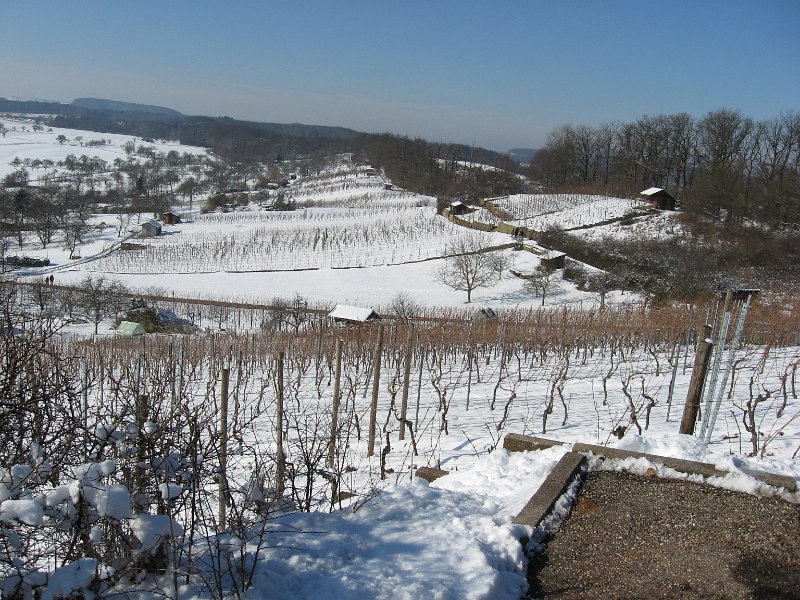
pixel 170 218
pixel 151 228
pixel 659 198
pixel 553 260
pixel 458 208
pixel 353 314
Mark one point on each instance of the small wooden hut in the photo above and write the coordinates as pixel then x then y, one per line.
pixel 659 198
pixel 170 218
pixel 553 260
pixel 353 314
pixel 151 228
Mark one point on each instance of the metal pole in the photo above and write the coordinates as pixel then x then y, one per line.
pixel 731 359
pixel 722 336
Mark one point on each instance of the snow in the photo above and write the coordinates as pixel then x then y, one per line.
pixel 151 529
pixel 651 191
pixel 351 313
pixel 76 576
pixel 22 142
pixel 453 538
pixel 25 511
pixel 413 541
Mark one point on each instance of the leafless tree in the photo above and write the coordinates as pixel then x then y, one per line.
pixel 541 282
pixel 468 267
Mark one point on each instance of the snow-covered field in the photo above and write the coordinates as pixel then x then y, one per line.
pixel 449 540
pixel 567 211
pixel 23 143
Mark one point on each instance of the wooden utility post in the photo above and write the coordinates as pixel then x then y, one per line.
pixel 701 362
pixel 376 378
pixel 406 380
pixel 280 457
pixel 223 450
pixel 335 416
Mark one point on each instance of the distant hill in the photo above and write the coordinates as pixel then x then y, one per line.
pixel 101 104
pixel 522 155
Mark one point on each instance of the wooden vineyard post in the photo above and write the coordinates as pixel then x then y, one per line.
pixel 469 376
pixel 335 413
pixel 280 457
pixel 223 450
pixel 376 377
pixel 406 380
pixel 422 356
pixel 701 361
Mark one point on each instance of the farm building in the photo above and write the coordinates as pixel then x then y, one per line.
pixel 553 260
pixel 170 218
pixel 352 314
pixel 659 198
pixel 459 208
pixel 151 228
pixel 130 329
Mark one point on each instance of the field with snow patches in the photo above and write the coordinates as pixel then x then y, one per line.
pixel 451 539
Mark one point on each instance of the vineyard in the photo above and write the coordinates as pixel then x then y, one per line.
pixel 567 211
pixel 214 432
pixel 352 188
pixel 303 239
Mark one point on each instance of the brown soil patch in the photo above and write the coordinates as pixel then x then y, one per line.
pixel 637 537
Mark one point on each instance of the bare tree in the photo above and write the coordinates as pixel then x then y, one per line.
pixel 404 306
pixel 469 267
pixel 541 282
pixel 100 298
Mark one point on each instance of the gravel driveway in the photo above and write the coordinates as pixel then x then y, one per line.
pixel 636 537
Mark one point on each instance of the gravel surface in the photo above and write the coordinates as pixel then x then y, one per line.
pixel 636 537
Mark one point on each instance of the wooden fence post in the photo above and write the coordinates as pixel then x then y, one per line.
pixel 280 457
pixel 701 362
pixel 223 450
pixel 376 377
pixel 335 416
pixel 406 379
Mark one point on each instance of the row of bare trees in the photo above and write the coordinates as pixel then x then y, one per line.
pixel 725 165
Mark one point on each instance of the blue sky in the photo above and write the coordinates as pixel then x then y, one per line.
pixel 497 74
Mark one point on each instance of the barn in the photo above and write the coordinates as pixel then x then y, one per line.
pixel 659 198
pixel 353 314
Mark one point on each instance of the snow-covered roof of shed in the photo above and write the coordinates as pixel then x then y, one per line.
pixel 551 254
pixel 151 222
pixel 651 191
pixel 130 328
pixel 352 313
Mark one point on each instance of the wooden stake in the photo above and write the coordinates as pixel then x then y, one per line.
pixel 406 379
pixel 223 450
pixel 701 361
pixel 280 457
pixel 376 378
pixel 335 416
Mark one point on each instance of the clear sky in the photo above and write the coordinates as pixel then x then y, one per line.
pixel 499 74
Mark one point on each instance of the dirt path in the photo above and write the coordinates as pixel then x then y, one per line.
pixel 634 537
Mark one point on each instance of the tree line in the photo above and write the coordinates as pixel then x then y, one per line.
pixel 724 166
